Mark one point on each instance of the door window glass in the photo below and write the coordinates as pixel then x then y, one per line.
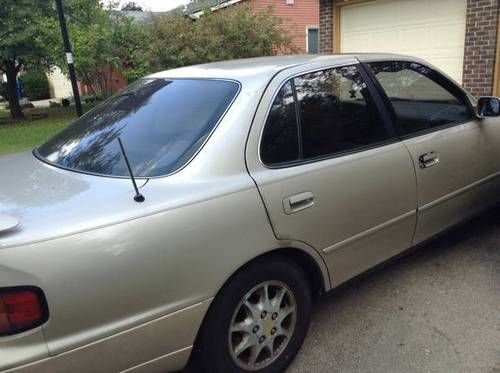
pixel 337 113
pixel 421 98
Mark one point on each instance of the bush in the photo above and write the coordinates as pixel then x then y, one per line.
pixel 35 85
pixel 237 32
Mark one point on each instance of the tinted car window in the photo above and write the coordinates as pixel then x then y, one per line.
pixel 280 142
pixel 337 113
pixel 162 123
pixel 421 98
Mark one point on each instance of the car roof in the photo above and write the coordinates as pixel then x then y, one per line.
pixel 264 67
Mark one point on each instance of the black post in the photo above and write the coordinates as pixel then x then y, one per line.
pixel 69 57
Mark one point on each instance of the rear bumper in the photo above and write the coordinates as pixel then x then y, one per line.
pixel 161 345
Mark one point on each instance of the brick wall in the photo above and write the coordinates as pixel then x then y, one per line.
pixel 296 17
pixel 480 45
pixel 325 26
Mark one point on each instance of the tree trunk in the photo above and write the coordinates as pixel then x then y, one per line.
pixel 11 72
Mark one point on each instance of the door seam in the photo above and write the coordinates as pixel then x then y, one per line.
pixel 417 209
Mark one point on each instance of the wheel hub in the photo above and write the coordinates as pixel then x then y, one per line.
pixel 267 325
pixel 262 325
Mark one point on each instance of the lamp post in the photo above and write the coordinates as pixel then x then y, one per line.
pixel 69 57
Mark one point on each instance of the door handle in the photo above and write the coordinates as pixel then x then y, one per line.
pixel 428 159
pixel 298 202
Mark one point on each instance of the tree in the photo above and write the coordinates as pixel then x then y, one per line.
pixel 21 42
pixel 129 41
pixel 237 32
pixel 132 6
pixel 102 40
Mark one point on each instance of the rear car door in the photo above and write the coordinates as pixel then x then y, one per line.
pixel 330 171
pixel 456 155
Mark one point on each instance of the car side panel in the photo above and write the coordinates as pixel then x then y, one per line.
pixel 364 207
pixel 139 349
pixel 363 212
pixel 464 182
pixel 109 280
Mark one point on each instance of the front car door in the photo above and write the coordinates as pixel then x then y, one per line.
pixel 330 171
pixel 456 155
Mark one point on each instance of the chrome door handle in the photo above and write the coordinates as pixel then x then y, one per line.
pixel 428 159
pixel 298 202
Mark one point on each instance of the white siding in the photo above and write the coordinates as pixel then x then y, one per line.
pixel 60 86
pixel 430 29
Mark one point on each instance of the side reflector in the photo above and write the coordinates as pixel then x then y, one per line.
pixel 21 308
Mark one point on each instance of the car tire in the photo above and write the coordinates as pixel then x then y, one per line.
pixel 278 289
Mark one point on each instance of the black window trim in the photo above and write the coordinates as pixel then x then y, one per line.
pixel 380 107
pixel 390 109
pixel 180 168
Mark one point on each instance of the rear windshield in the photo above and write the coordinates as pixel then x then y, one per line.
pixel 161 122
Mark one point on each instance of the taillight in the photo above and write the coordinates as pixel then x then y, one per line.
pixel 21 308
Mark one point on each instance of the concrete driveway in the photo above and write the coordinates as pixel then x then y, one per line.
pixel 435 310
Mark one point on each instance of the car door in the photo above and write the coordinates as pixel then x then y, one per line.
pixel 330 171
pixel 456 155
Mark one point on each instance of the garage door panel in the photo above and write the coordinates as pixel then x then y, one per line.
pixel 429 29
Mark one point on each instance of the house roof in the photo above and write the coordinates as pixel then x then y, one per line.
pixel 195 9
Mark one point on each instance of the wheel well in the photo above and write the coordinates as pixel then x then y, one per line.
pixel 304 261
pixel 299 258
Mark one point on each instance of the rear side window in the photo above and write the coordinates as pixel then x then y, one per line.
pixel 421 98
pixel 336 114
pixel 280 142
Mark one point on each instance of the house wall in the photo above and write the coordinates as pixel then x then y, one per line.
pixel 296 17
pixel 59 84
pixel 326 26
pixel 481 46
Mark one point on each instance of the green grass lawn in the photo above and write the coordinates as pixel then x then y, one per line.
pixel 27 134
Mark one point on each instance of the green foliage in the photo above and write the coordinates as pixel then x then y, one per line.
pixel 21 34
pixel 132 6
pixel 22 41
pixel 233 33
pixel 35 85
pixel 102 40
pixel 130 42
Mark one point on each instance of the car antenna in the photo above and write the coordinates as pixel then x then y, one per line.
pixel 138 196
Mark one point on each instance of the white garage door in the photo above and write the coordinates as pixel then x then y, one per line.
pixel 430 29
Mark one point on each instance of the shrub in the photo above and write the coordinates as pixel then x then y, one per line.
pixel 238 32
pixel 35 85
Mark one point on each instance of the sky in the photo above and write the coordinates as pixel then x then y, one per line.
pixel 157 5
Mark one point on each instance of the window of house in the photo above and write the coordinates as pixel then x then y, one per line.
pixel 421 98
pixel 312 40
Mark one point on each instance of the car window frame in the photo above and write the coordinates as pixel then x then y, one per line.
pixel 390 109
pixel 379 104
